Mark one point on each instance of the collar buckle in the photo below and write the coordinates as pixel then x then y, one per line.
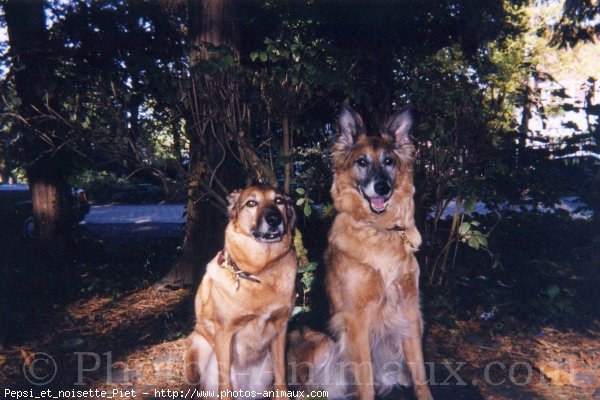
pixel 403 235
pixel 235 273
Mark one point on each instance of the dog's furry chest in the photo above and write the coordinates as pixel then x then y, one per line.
pixel 255 337
pixel 380 271
pixel 258 311
pixel 383 253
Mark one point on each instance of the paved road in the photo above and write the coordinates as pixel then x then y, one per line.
pixel 136 221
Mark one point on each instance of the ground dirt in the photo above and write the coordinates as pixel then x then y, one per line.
pixel 137 341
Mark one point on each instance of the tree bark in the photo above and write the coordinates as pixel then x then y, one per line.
pixel 45 167
pixel 209 22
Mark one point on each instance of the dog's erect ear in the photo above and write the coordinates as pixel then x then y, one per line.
pixel 351 126
pixel 290 210
pixel 399 124
pixel 232 203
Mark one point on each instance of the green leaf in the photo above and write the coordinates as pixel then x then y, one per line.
pixel 473 242
pixel 254 55
pixel 464 228
pixel 311 266
pixel 328 210
pixel 482 240
pixel 300 190
pixel 263 56
pixel 307 280
pixel 307 210
pixel 300 201
pixel 553 291
pixel 480 237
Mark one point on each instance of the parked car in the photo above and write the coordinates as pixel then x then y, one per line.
pixel 16 208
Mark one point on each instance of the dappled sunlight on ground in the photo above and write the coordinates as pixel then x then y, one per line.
pixel 548 364
pixel 137 342
pixel 88 335
pixel 147 371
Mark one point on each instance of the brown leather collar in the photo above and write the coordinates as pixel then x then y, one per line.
pixel 234 271
pixel 403 236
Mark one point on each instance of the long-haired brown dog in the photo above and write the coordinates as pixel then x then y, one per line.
pixel 372 273
pixel 245 300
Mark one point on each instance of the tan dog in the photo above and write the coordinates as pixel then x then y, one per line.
pixel 245 299
pixel 372 273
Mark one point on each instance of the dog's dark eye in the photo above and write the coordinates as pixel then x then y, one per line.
pixel 251 203
pixel 279 200
pixel 388 161
pixel 362 162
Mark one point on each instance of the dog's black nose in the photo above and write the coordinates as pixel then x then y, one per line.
pixel 382 188
pixel 273 218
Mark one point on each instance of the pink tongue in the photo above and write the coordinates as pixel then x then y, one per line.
pixel 377 202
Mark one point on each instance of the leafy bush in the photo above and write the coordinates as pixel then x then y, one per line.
pixel 545 274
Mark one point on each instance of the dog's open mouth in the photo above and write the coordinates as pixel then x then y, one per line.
pixel 267 237
pixel 378 204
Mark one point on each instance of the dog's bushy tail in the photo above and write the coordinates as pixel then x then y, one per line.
pixel 315 362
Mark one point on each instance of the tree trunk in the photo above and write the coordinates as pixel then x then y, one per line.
pixel 203 229
pixel 209 21
pixel 28 40
pixel 49 195
pixel 45 167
